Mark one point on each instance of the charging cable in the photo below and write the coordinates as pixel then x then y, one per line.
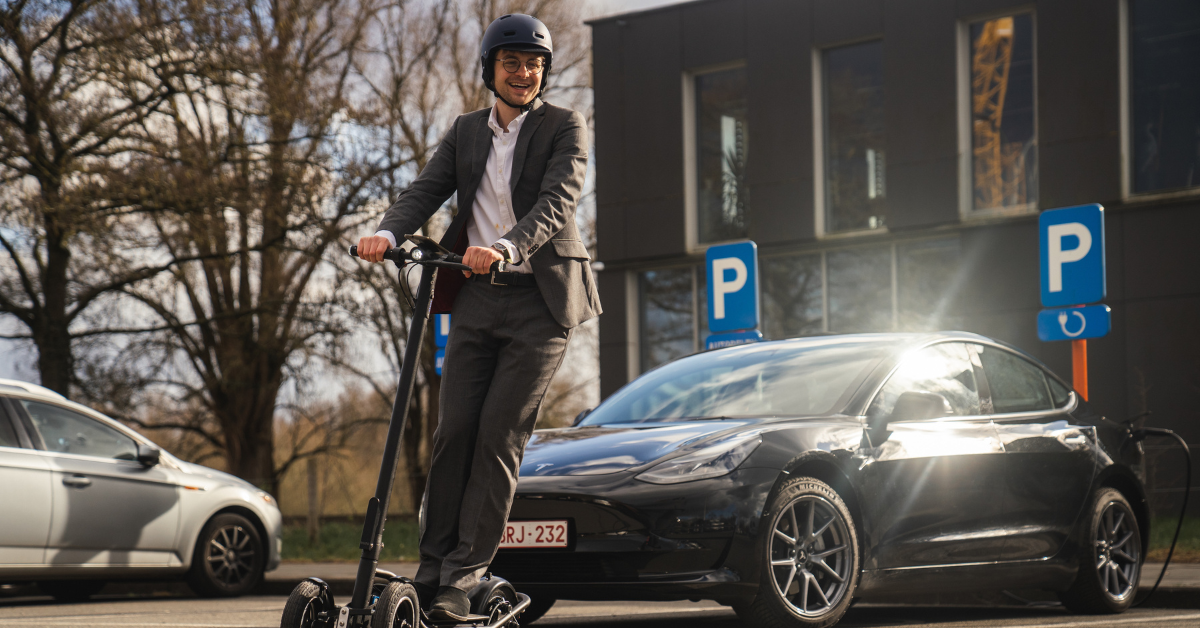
pixel 1140 435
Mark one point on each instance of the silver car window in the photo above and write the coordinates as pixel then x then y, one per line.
pixel 944 369
pixel 69 432
pixel 8 434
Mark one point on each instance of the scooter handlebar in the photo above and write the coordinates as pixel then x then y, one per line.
pixel 401 257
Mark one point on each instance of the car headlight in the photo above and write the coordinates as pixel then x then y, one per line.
pixel 713 461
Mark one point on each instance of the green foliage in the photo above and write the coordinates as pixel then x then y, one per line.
pixel 1162 529
pixel 338 542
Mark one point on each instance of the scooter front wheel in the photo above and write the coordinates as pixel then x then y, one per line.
pixel 302 606
pixel 397 607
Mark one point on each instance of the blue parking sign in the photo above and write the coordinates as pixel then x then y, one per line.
pixel 1071 247
pixel 732 286
pixel 438 359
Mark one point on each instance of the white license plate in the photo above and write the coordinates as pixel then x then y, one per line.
pixel 535 534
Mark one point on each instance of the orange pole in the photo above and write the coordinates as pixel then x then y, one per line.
pixel 1079 367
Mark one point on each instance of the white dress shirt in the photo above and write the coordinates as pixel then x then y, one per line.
pixel 492 213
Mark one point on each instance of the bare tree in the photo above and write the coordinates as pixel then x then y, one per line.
pixel 265 163
pixel 78 78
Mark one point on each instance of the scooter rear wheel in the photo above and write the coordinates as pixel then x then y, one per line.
pixel 302 606
pixel 397 607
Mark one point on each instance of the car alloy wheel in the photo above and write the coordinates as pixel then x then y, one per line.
pixel 1110 560
pixel 812 557
pixel 229 557
pixel 1118 551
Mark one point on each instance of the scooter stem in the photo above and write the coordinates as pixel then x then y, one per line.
pixel 372 538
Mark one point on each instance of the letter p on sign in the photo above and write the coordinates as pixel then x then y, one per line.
pixel 1072 255
pixel 732 272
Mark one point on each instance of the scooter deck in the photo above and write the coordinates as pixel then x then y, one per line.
pixel 479 621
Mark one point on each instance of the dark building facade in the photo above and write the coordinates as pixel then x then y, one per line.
pixel 890 158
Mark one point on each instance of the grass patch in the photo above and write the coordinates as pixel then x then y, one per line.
pixel 338 542
pixel 1187 550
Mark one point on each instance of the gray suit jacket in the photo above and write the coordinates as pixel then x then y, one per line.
pixel 547 178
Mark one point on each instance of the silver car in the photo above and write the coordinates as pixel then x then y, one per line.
pixel 84 500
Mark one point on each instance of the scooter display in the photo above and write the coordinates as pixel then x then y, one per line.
pixel 381 599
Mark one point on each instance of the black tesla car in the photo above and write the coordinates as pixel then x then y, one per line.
pixel 787 478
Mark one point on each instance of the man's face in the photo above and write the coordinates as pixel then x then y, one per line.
pixel 520 87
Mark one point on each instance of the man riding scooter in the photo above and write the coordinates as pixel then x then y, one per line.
pixel 518 168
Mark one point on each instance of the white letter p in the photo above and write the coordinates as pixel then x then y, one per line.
pixel 1058 257
pixel 722 287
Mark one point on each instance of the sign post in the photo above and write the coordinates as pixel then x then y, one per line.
pixel 733 294
pixel 1071 246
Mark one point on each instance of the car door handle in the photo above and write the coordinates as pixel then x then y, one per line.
pixel 78 481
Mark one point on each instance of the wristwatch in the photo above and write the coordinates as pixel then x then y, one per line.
pixel 506 259
pixel 503 252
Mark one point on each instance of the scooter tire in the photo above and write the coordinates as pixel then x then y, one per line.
pixel 397 607
pixel 302 606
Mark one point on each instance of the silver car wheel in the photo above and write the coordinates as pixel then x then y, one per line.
pixel 811 559
pixel 1118 551
pixel 231 554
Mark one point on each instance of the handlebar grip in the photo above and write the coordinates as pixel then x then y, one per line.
pixel 353 250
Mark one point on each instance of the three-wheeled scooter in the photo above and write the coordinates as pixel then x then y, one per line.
pixel 382 599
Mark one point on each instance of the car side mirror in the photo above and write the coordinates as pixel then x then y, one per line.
pixel 147 455
pixel 581 416
pixel 918 405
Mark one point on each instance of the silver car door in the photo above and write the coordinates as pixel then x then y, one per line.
pixel 108 508
pixel 25 495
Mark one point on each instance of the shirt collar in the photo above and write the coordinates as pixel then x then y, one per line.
pixel 514 127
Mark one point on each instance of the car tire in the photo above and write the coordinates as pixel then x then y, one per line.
pixel 229 557
pixel 809 558
pixel 71 590
pixel 537 609
pixel 1110 557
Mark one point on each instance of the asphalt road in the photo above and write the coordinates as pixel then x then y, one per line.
pixel 264 612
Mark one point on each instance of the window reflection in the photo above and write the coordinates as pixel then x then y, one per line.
pixel 855 165
pixel 1004 144
pixel 666 315
pixel 860 289
pixel 1165 76
pixel 944 369
pixel 721 154
pixel 791 298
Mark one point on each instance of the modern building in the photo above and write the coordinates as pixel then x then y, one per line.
pixel 890 159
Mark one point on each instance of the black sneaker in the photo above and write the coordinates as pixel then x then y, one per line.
pixel 451 604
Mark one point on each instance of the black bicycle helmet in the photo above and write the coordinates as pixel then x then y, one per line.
pixel 515 31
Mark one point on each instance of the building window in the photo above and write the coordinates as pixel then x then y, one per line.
pixel 667 306
pixel 1165 98
pixel 855 154
pixel 929 274
pixel 860 289
pixel 1003 122
pixel 905 286
pixel 792 299
pixel 720 99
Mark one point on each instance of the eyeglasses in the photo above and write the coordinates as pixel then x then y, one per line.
pixel 513 65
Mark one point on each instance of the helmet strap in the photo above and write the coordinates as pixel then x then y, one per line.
pixel 521 108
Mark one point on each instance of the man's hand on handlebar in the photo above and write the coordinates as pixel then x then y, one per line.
pixel 479 258
pixel 372 248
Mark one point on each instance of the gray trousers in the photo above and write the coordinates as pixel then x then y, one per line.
pixel 503 350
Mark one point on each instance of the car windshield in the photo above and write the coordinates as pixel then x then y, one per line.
pixel 794 378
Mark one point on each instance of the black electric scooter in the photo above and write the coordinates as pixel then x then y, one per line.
pixel 382 599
